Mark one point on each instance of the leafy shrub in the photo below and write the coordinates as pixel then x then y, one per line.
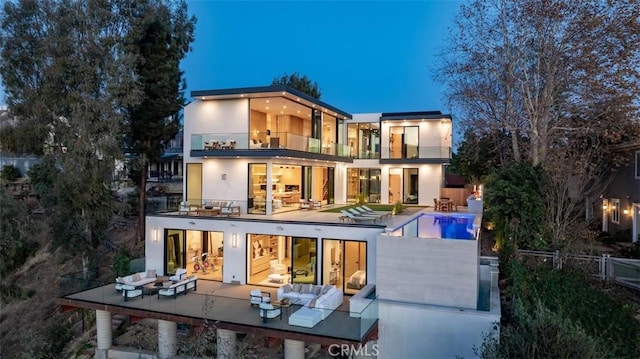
pixel 9 173
pixel 121 264
pixel 515 206
pixel 576 299
pixel 397 208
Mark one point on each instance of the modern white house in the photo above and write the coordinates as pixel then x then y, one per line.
pixel 262 166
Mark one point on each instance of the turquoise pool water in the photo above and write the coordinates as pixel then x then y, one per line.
pixel 446 226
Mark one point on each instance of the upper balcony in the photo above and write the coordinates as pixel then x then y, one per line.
pixel 267 144
pixel 415 154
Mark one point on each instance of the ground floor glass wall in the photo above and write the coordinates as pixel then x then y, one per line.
pixel 274 260
pixel 345 264
pixel 185 249
pixel 363 184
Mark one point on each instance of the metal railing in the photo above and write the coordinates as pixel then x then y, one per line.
pixel 623 271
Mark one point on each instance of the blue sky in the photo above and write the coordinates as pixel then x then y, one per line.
pixel 365 56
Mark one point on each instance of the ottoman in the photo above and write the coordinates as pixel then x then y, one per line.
pixel 305 317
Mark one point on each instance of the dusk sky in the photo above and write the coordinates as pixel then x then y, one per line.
pixel 365 56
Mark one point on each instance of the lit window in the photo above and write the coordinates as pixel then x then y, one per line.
pixel 615 210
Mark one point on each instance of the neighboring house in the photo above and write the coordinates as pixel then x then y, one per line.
pixel 259 165
pixel 620 208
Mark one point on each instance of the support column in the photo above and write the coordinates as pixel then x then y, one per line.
pixel 103 334
pixel 167 339
pixel 293 349
pixel 226 344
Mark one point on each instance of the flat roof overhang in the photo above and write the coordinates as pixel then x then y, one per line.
pixel 270 152
pixel 420 115
pixel 270 91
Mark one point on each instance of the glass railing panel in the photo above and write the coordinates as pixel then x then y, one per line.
pixel 276 140
pixel 368 316
pixel 413 152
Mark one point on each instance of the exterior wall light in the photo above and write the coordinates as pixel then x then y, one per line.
pixel 154 235
pixel 234 240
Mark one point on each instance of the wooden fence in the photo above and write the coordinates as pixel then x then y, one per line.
pixel 457 195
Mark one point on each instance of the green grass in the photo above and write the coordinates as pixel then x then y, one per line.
pixel 375 207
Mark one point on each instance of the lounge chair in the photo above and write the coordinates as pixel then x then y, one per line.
pixel 358 213
pixel 268 311
pixel 355 218
pixel 371 211
pixel 259 297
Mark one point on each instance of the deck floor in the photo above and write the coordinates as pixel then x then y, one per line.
pixel 228 303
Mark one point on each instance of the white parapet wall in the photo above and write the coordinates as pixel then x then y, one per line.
pixel 432 271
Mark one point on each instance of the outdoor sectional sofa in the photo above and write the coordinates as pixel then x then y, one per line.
pixel 134 281
pixel 318 302
pixel 172 289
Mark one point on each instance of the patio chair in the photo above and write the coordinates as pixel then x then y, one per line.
pixel 180 274
pixel 436 204
pixel 268 311
pixel 355 218
pixel 258 297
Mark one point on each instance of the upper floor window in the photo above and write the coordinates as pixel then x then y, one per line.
pixel 364 139
pixel 615 210
pixel 403 141
pixel 637 164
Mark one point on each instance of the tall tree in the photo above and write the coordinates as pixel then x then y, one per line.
pixel 300 83
pixel 550 75
pixel 66 69
pixel 161 40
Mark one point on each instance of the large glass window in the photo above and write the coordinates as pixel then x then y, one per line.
pixel 304 260
pixel 257 190
pixel 279 122
pixel 286 185
pixel 410 184
pixel 269 258
pixel 364 140
pixel 355 266
pixel 174 251
pixel 363 184
pixel 185 249
pixel 403 141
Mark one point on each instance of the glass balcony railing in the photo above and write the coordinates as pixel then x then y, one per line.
pixel 415 152
pixel 275 140
pixel 230 304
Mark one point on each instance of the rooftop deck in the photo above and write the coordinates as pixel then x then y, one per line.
pixel 228 307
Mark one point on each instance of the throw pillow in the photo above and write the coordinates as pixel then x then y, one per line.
pixel 316 290
pixel 151 273
pixel 297 287
pixel 286 288
pixel 312 303
pixel 120 280
pixel 166 284
pixel 136 277
pixel 325 289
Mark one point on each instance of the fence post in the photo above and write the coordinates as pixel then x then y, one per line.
pixel 603 267
pixel 609 268
pixel 557 261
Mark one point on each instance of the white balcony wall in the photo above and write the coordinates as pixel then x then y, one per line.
pixel 235 258
pixel 219 116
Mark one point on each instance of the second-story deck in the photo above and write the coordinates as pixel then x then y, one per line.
pixel 226 305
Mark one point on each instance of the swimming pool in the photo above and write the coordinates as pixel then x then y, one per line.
pixel 453 226
pixel 443 226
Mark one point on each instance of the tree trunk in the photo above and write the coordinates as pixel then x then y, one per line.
pixel 142 199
